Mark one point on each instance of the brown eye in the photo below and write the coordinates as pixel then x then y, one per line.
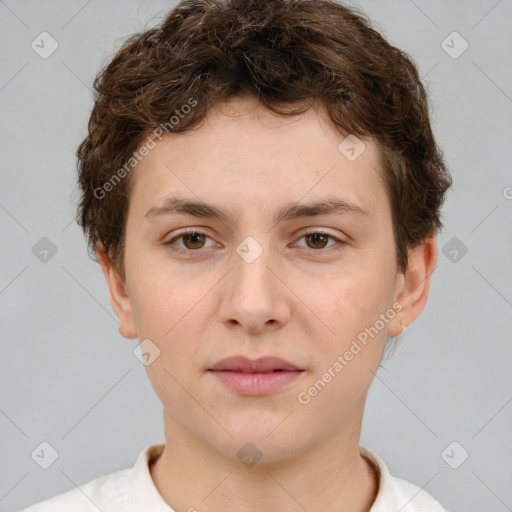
pixel 193 240
pixel 188 241
pixel 318 240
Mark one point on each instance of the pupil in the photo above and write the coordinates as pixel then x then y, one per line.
pixel 316 237
pixel 193 237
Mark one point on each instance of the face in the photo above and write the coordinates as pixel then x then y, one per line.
pixel 272 275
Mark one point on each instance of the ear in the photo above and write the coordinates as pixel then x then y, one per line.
pixel 413 284
pixel 119 298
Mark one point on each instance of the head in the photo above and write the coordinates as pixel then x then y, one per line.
pixel 264 115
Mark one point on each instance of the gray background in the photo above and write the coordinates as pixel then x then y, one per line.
pixel 68 377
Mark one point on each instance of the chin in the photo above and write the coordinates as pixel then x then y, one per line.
pixel 266 438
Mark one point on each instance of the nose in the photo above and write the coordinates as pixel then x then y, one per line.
pixel 254 296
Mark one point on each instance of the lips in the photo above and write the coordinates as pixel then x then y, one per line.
pixel 262 365
pixel 257 377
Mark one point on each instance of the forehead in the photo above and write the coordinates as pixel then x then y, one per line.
pixel 245 156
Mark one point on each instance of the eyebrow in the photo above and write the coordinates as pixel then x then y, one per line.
pixel 292 210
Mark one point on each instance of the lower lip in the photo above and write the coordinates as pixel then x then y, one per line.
pixel 256 384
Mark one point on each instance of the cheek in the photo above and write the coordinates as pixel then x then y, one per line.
pixel 161 301
pixel 345 363
pixel 350 302
pixel 171 310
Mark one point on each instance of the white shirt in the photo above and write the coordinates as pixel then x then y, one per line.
pixel 133 490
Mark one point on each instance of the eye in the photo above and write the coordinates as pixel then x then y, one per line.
pixel 318 240
pixel 192 241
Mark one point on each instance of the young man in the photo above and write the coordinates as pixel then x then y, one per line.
pixel 262 189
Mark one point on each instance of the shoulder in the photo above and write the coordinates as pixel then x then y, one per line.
pixel 413 498
pixel 126 490
pixel 398 494
pixel 98 494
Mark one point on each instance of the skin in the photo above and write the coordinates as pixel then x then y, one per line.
pixel 290 302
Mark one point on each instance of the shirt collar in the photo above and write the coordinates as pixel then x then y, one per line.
pixel 386 495
pixel 142 494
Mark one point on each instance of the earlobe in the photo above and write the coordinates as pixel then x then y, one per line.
pixel 119 298
pixel 412 294
pixel 125 333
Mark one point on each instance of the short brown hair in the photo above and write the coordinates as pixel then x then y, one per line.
pixel 286 53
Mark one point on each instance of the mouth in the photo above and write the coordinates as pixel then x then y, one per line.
pixel 243 364
pixel 257 377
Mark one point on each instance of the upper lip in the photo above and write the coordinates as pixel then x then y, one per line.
pixel 263 364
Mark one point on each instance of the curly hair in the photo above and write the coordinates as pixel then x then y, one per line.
pixel 285 53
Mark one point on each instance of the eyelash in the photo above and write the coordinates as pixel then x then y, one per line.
pixel 179 236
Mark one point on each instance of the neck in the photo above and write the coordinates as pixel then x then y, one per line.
pixel 191 476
